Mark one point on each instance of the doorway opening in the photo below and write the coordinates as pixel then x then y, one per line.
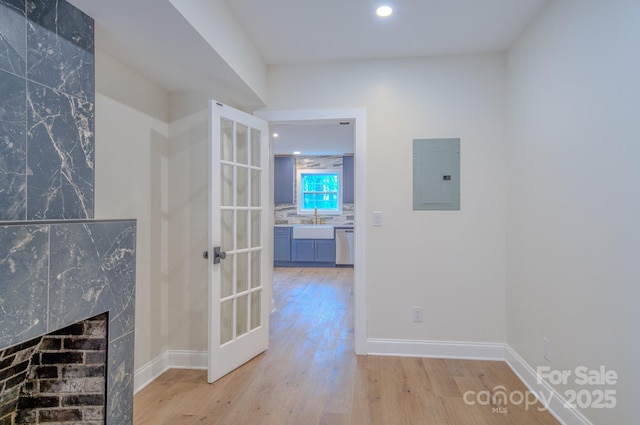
pixel 298 120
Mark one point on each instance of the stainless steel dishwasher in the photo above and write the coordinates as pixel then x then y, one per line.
pixel 344 247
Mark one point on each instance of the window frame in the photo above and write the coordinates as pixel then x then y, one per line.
pixel 300 193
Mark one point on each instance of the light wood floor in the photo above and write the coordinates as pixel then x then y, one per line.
pixel 310 375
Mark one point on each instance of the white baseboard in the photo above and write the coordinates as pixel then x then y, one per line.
pixel 175 359
pixel 172 359
pixel 438 349
pixel 188 359
pixel 554 400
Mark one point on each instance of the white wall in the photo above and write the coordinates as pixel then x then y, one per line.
pixel 131 182
pixel 574 195
pixel 188 212
pixel 151 165
pixel 452 263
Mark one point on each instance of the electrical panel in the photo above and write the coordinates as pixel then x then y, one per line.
pixel 436 174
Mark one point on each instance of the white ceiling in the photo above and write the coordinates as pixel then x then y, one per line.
pixel 291 31
pixel 313 138
pixel 153 38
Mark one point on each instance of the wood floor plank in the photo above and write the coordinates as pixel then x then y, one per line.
pixel 443 383
pixel 310 375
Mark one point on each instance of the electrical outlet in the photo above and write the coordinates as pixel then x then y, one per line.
pixel 418 315
pixel 547 348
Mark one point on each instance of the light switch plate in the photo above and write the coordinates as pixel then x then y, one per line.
pixel 377 218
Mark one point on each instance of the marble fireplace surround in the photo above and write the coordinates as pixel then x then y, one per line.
pixel 56 273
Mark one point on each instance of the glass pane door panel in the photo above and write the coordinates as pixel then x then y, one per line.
pixel 242 230
pixel 255 228
pixel 242 144
pixel 242 310
pixel 242 272
pixel 226 140
pixel 226 277
pixel 226 185
pixel 226 321
pixel 255 269
pixel 255 309
pixel 226 230
pixel 255 147
pixel 255 188
pixel 242 186
pixel 237 223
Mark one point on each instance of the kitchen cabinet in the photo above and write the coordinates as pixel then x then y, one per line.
pixel 282 244
pixel 347 180
pixel 284 177
pixel 303 250
pixel 313 250
pixel 325 251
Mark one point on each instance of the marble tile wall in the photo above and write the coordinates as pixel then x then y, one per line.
pixel 46 111
pixel 54 275
pixel 57 267
pixel 288 213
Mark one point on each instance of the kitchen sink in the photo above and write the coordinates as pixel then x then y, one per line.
pixel 312 231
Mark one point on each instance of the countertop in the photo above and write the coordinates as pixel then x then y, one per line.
pixel 336 225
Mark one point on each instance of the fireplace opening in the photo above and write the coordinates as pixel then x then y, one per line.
pixel 58 378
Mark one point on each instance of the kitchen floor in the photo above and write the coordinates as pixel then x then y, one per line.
pixel 310 374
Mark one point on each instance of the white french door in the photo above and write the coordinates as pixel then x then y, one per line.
pixel 240 276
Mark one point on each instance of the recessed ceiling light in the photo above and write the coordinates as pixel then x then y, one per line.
pixel 384 11
pixel 275 135
pixel 296 153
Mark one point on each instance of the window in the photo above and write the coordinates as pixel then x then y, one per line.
pixel 320 189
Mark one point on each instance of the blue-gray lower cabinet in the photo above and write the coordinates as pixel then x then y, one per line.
pixel 313 250
pixel 289 252
pixel 282 244
pixel 303 250
pixel 325 251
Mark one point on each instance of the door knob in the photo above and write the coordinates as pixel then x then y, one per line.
pixel 218 255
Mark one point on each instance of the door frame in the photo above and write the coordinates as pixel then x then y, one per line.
pixel 360 224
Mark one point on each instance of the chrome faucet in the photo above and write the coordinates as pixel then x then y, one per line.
pixel 315 214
